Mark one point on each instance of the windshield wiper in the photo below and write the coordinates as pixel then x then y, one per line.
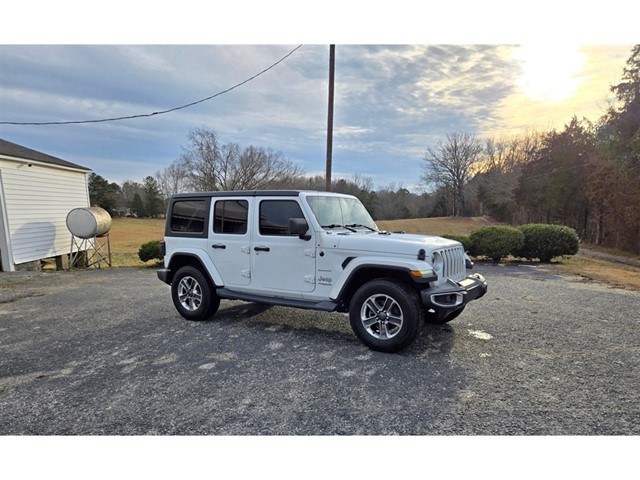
pixel 335 225
pixel 354 225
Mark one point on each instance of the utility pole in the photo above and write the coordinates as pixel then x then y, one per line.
pixel 332 70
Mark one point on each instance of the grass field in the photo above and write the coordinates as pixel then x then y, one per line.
pixel 437 225
pixel 127 234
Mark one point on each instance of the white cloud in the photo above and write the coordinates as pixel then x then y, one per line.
pixel 391 101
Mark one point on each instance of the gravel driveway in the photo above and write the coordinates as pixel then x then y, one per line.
pixel 104 352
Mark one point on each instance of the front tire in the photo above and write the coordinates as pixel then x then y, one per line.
pixel 385 315
pixel 192 294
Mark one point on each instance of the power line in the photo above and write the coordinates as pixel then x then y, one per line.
pixel 162 112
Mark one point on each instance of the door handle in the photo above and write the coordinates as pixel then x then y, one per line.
pixel 261 249
pixel 218 245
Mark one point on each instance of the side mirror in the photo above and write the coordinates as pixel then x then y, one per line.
pixel 300 227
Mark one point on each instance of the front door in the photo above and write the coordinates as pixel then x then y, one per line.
pixel 283 264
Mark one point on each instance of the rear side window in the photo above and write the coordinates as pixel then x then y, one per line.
pixel 230 217
pixel 275 215
pixel 188 216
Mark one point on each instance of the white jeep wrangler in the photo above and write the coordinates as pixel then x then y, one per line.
pixel 312 250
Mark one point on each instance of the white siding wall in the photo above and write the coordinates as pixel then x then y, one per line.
pixel 38 199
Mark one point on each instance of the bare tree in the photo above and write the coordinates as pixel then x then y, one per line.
pixel 450 166
pixel 362 182
pixel 210 166
pixel 257 167
pixel 172 179
pixel 492 189
pixel 508 154
pixel 200 160
pixel 129 189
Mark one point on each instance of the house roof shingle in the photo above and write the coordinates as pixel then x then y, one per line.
pixel 14 150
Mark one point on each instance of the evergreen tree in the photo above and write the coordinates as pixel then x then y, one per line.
pixel 614 186
pixel 137 206
pixel 102 193
pixel 552 185
pixel 153 202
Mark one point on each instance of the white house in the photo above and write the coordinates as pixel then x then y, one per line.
pixel 37 191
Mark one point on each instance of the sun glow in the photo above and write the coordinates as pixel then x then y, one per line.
pixel 550 73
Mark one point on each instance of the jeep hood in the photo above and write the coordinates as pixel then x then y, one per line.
pixel 393 243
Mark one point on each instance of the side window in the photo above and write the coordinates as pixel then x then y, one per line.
pixel 188 216
pixel 275 215
pixel 230 216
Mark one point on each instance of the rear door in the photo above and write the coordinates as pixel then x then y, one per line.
pixel 230 240
pixel 283 264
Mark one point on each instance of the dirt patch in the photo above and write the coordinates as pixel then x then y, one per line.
pixel 605 270
pixel 624 258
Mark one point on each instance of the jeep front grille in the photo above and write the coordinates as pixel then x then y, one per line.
pixel 453 267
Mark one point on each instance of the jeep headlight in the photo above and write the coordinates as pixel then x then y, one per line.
pixel 438 263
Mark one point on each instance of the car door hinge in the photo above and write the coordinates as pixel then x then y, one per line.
pixel 245 273
pixel 310 252
pixel 310 279
pixel 246 249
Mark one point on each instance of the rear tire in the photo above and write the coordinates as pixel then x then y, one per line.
pixel 385 315
pixel 193 295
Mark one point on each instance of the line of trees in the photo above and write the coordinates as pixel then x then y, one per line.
pixel 135 199
pixel 586 176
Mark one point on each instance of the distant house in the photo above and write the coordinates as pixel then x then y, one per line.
pixel 37 191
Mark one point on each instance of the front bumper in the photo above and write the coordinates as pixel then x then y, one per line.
pixel 454 295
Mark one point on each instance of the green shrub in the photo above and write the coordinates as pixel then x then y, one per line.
pixel 495 242
pixel 543 241
pixel 465 240
pixel 149 251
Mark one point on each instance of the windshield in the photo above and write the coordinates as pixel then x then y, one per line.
pixel 339 211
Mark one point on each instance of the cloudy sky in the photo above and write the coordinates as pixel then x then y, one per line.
pixel 391 102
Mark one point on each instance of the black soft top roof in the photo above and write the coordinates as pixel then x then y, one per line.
pixel 241 193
